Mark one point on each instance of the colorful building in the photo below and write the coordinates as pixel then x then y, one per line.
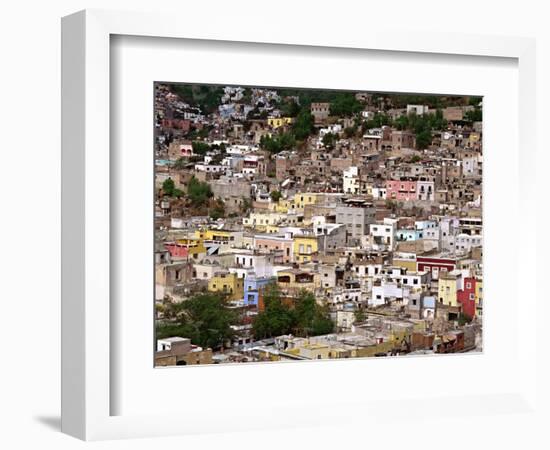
pixel 227 283
pixel 305 247
pixel 277 122
pixel 435 264
pixel 467 296
pixel 252 287
pixel 281 246
pixel 448 287
pixel 302 199
pixel 401 190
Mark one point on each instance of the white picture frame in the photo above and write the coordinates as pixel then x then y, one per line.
pixel 87 355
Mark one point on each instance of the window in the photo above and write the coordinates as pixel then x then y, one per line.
pixel 468 285
pixel 472 297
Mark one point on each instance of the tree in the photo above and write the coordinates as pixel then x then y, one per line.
pixel 423 139
pixel 306 319
pixel 349 132
pixel 276 318
pixel 168 187
pixel 311 318
pixel 198 192
pixel 303 126
pixel 329 141
pixel 475 115
pixel 200 148
pixel 290 108
pixel 278 142
pixel 203 318
pixel 275 196
pixel 345 105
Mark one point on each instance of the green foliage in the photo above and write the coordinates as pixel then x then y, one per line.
pixel 207 98
pixel 475 101
pixel 423 139
pixel 345 105
pixel 168 187
pixel 275 196
pixel 198 192
pixel 349 132
pixel 177 193
pixel 306 319
pixel 378 121
pixel 422 126
pixel 433 101
pixel 311 319
pixel 329 141
pixel 289 109
pixel 303 126
pixel 203 318
pixel 276 319
pixel 278 142
pixel 475 115
pixel 200 148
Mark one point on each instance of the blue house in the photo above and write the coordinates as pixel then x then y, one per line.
pixel 252 286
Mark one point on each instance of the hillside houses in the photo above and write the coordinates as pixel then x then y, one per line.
pixel 270 197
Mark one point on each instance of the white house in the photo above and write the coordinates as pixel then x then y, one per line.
pixel 351 180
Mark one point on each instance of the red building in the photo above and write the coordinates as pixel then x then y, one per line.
pixel 435 265
pixel 467 296
pixel 177 250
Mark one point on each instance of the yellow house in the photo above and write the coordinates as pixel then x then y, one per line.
pixel 302 199
pixel 214 235
pixel 296 279
pixel 284 205
pixel 276 122
pixel 447 288
pixel 304 247
pixel 227 283
pixel 195 246
pixel 479 295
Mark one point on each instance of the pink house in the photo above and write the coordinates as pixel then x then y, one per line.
pixel 177 250
pixel 402 190
pixel 282 247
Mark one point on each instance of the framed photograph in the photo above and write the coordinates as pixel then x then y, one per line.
pixel 265 231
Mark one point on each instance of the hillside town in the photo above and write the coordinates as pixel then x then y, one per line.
pixel 300 224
